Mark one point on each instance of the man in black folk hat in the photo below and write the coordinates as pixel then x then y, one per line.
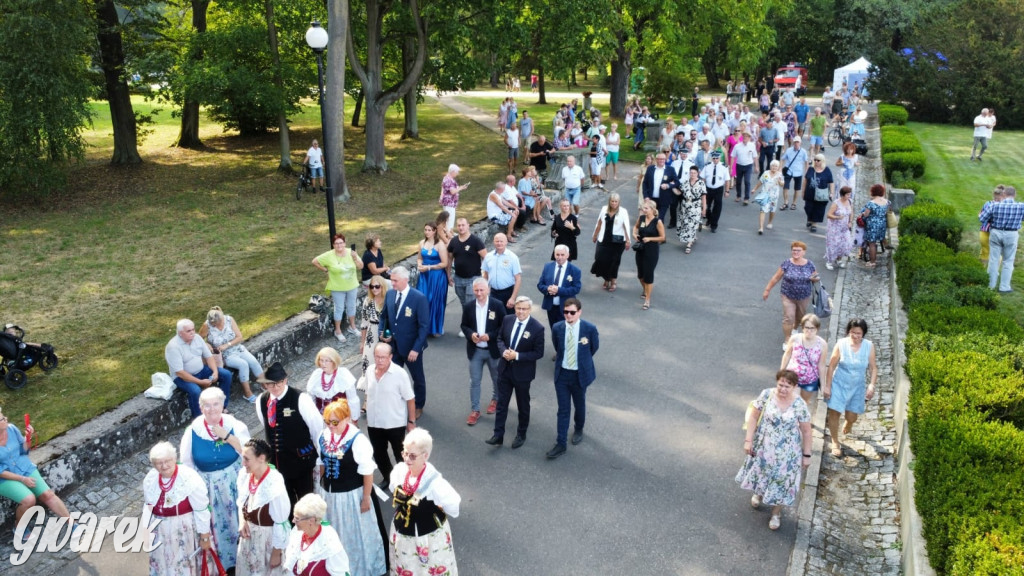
pixel 292 425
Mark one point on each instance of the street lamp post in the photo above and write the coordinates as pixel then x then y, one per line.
pixel 316 37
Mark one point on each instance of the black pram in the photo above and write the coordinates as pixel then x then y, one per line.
pixel 17 356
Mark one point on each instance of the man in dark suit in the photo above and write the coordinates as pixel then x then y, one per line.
pixel 407 316
pixel 576 342
pixel 481 321
pixel 521 343
pixel 659 180
pixel 559 280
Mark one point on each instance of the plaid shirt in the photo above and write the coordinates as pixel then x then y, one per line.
pixel 1005 215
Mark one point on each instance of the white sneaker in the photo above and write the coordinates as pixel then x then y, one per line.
pixel 340 337
pixel 769 226
pixel 461 335
pixel 352 331
pixel 842 263
pixel 755 501
pixel 829 266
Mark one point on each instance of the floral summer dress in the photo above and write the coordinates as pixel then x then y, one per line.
pixel 838 238
pixel 774 470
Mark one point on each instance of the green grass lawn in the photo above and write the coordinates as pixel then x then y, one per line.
pixel 103 270
pixel 952 178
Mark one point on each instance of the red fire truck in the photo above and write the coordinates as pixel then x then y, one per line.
pixel 792 75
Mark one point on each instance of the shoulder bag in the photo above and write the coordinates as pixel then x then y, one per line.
pixel 822 302
pixel 820 194
pixel 751 408
pixel 785 171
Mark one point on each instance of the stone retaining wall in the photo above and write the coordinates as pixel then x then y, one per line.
pixel 87 450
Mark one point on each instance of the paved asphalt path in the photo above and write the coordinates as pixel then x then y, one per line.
pixel 650 490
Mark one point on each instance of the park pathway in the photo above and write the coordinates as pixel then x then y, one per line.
pixel 650 490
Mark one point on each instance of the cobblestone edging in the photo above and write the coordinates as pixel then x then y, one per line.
pixel 850 517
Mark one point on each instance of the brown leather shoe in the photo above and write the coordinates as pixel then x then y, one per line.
pixel 492 407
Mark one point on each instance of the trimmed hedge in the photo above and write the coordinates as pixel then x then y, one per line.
pixel 934 220
pixel 899 139
pixel 910 162
pixel 892 114
pixel 929 272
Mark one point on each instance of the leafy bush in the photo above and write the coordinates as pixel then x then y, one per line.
pixel 999 345
pixel 991 385
pixel 899 139
pixel 934 220
pixel 892 114
pixel 998 551
pixel 938 319
pixel 927 269
pixel 912 162
pixel 907 185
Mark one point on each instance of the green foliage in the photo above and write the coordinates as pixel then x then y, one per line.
pixel 999 551
pixel 991 385
pixel 912 162
pixel 930 272
pixel 965 56
pixel 44 90
pixel 892 114
pixel 934 220
pixel 899 139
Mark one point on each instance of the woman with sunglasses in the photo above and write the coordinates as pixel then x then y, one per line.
pixel 346 477
pixel 264 506
pixel 370 312
pixel 421 539
pixel 818 189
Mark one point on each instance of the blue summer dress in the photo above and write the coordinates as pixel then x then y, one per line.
pixel 434 283
pixel 848 381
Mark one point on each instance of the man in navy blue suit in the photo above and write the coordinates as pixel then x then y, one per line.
pixel 407 314
pixel 576 342
pixel 659 180
pixel 558 281
pixel 481 321
pixel 521 343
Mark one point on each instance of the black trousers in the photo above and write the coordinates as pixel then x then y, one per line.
pixel 502 295
pixel 714 199
pixel 380 439
pixel 299 485
pixel 506 387
pixel 555 314
pixel 674 210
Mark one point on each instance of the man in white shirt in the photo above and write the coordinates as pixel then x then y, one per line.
pixel 315 159
pixel 500 211
pixel 716 179
pixel 745 155
pixel 982 132
pixel 707 135
pixel 390 409
pixel 572 181
pixel 685 127
pixel 720 129
pixel 794 165
pixel 512 142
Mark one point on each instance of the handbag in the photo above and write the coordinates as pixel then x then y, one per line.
pixel 638 246
pixel 890 219
pixel 861 223
pixel 822 302
pixel 821 195
pixel 750 410
pixel 216 559
pixel 785 171
pixel 618 239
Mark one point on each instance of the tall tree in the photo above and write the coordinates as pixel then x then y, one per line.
pixel 379 98
pixel 115 79
pixel 44 90
pixel 188 137
pixel 338 24
pixel 285 163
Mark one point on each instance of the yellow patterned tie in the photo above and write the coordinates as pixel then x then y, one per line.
pixel 570 354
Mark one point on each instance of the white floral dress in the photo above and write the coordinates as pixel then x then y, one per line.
pixel 775 468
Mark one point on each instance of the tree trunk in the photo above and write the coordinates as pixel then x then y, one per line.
pixel 412 126
pixel 584 75
pixel 112 61
pixel 358 110
pixel 572 79
pixel 494 70
pixel 188 137
pixel 622 68
pixel 541 99
pixel 378 99
pixel 334 97
pixel 285 164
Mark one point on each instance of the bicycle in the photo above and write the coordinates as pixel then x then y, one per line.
pixel 839 133
pixel 305 182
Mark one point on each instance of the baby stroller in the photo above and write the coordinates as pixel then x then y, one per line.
pixel 17 356
pixel 305 182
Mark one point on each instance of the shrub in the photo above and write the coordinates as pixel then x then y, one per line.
pixel 899 139
pixel 934 220
pixel 998 551
pixel 892 114
pixel 942 320
pixel 929 271
pixel 999 346
pixel 990 385
pixel 908 185
pixel 912 162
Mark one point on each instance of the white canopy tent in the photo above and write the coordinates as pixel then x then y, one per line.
pixel 853 73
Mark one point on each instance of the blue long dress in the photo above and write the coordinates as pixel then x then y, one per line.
pixel 434 283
